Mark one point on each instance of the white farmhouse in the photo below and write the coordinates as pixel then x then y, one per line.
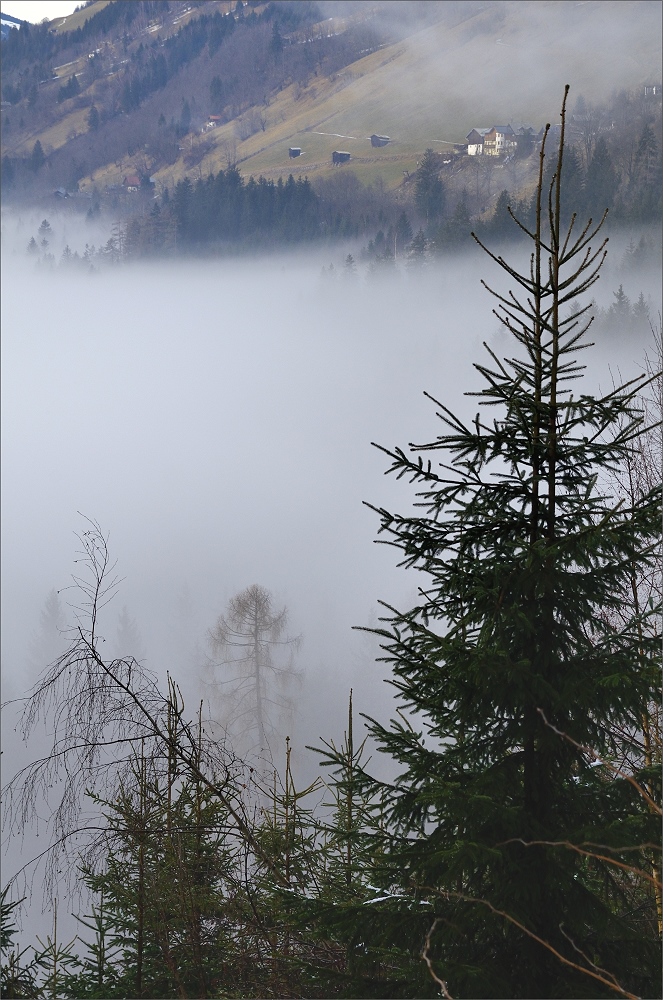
pixel 475 141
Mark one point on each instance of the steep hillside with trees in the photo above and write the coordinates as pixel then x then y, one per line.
pixel 164 89
pixel 146 74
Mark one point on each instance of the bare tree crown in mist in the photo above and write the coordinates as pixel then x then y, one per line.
pixel 250 686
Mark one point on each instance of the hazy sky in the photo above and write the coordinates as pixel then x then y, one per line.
pixel 36 10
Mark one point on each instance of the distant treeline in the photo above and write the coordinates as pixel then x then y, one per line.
pixel 224 210
pixel 635 197
pixel 228 209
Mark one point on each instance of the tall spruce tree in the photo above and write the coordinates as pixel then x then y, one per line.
pixel 513 674
pixel 430 194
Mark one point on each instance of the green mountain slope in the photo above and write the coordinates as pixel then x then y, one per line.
pixel 476 64
pixel 502 64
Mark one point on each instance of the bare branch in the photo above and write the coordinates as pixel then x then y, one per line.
pixel 605 978
pixel 424 955
pixel 618 772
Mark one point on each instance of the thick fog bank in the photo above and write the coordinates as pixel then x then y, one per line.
pixel 216 420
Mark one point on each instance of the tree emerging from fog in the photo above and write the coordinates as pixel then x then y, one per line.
pixel 49 640
pixel 249 685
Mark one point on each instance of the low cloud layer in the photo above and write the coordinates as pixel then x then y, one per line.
pixel 216 419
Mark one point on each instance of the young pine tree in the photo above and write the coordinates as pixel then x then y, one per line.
pixel 514 672
pixel 167 890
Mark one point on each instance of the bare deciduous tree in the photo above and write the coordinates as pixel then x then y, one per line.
pixel 639 474
pixel 100 712
pixel 229 152
pixel 252 684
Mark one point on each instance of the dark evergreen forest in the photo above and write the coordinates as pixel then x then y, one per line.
pixel 227 213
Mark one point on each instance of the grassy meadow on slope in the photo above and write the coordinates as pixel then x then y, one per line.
pixel 473 64
pixel 505 63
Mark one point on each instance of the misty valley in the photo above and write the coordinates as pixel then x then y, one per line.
pixel 216 420
pixel 331 493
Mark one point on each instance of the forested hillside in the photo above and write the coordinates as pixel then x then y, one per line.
pixel 140 78
pixel 122 105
